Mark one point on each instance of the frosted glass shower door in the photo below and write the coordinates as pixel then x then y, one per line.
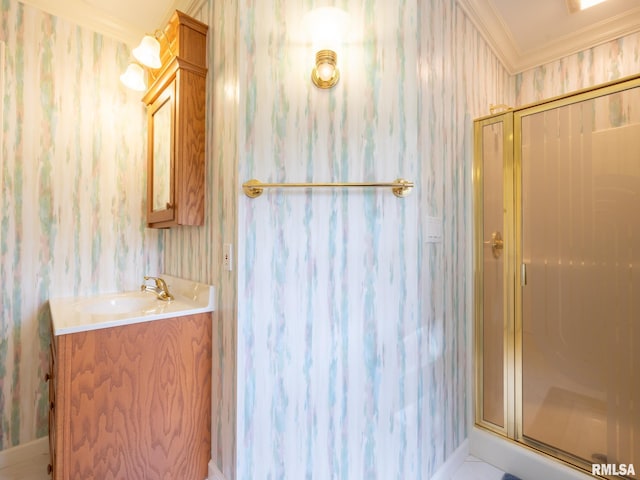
pixel 580 299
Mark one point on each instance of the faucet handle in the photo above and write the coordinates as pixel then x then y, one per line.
pixel 160 283
pixel 157 280
pixel 162 290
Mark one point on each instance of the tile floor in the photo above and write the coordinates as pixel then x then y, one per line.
pixel 471 469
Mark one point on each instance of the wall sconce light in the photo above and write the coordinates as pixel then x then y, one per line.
pixel 147 54
pixel 133 78
pixel 328 26
pixel 325 74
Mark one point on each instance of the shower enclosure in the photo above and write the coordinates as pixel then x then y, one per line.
pixel 557 277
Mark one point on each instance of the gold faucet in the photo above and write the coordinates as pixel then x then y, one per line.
pixel 161 290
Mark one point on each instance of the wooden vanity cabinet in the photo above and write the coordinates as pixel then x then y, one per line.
pixel 132 402
pixel 176 112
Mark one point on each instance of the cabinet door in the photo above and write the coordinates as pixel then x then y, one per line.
pixel 161 157
pixel 138 403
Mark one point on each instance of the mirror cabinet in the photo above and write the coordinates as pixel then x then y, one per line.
pixel 176 110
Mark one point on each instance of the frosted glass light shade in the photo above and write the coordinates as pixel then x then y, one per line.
pixel 148 52
pixel 133 77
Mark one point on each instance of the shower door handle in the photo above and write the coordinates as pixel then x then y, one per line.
pixel 496 244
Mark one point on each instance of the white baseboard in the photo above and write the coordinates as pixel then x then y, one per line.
pixel 214 471
pixel 26 451
pixel 453 463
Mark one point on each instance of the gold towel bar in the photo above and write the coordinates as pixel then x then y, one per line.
pixel 400 187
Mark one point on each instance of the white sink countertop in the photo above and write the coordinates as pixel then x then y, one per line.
pixel 79 314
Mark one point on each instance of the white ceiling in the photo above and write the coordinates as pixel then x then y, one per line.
pixel 522 33
pixel 527 33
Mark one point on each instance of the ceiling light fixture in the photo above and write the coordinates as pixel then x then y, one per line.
pixel 575 6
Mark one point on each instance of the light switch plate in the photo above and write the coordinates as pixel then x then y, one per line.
pixel 433 229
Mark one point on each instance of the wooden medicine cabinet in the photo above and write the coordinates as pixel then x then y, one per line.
pixel 176 111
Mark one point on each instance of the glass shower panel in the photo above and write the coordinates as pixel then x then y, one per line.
pixel 580 223
pixel 492 272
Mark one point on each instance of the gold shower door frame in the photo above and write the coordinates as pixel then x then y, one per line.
pixel 506 425
pixel 514 271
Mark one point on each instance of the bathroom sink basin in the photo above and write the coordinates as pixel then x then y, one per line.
pixel 118 303
pixel 79 314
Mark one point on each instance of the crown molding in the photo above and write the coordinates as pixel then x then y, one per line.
pixel 489 23
pixel 85 15
pixel 583 39
pixel 190 7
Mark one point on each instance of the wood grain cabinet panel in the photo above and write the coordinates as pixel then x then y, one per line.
pixel 176 116
pixel 133 402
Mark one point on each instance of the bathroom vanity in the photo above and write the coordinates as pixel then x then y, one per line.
pixel 130 385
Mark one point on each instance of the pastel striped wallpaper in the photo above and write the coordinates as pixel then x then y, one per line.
pixel 603 63
pixel 72 178
pixel 352 330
